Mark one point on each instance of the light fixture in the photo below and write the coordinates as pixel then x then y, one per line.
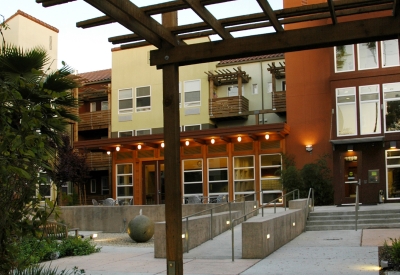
pixel 255 206
pixel 108 153
pixel 239 139
pixel 117 148
pixel 139 147
pixel 93 236
pixel 228 222
pixel 187 142
pixel 212 141
pixel 393 144
pixel 162 145
pixel 349 148
pixel 268 236
pixel 266 136
pixel 294 224
pixel 309 148
pixel 183 236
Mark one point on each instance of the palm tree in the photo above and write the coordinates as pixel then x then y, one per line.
pixel 35 108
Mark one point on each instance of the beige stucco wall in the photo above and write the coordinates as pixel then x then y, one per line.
pixel 258 71
pixel 131 69
pixel 27 34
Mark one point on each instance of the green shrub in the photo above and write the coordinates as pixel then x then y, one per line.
pixel 395 251
pixel 77 247
pixel 46 270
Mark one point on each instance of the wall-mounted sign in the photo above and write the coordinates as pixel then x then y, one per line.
pixel 373 176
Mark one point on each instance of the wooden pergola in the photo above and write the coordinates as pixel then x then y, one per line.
pixel 172 52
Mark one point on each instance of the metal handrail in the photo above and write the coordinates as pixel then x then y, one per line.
pixel 357 203
pixel 257 209
pixel 310 194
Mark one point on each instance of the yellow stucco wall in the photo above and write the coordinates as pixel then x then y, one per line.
pixel 131 69
pixel 27 34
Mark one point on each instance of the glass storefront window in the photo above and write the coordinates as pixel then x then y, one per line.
pixel 243 176
pixel 370 119
pixel 346 111
pixel 124 181
pixel 193 177
pixel 393 174
pixel 391 95
pixel 270 177
pixel 218 176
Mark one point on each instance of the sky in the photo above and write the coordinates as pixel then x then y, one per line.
pixel 88 50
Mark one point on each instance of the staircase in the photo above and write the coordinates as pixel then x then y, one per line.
pixel 345 220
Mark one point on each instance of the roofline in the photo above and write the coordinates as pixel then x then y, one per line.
pixel 30 17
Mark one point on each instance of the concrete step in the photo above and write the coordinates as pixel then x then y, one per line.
pixel 345 220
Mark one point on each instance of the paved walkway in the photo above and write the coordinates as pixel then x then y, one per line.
pixel 314 252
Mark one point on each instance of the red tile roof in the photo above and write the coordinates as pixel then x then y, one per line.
pixel 253 58
pixel 30 17
pixel 96 76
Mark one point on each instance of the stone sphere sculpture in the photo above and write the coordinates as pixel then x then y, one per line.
pixel 141 229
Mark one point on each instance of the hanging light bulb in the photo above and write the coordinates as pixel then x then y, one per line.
pixel 266 136
pixel 212 141
pixel 118 148
pixel 139 146
pixel 239 138
pixel 187 142
pixel 162 145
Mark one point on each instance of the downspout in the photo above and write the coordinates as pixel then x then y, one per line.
pixel 262 93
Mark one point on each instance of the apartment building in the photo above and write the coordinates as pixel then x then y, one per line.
pixel 232 116
pixel 344 103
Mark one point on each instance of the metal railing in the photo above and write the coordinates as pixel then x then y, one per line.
pixel 357 203
pixel 283 197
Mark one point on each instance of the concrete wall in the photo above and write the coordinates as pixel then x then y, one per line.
pixel 116 218
pixel 279 227
pixel 198 231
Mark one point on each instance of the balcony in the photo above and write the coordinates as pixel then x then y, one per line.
pixel 228 107
pixel 94 120
pixel 98 161
pixel 279 102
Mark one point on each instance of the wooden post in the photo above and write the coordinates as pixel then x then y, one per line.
pixel 172 161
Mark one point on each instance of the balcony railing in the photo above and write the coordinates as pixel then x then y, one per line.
pixel 228 107
pixel 94 120
pixel 98 161
pixel 279 101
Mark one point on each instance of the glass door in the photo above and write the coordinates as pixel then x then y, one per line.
pixel 153 182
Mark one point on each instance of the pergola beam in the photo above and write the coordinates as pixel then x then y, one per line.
pixel 332 11
pixel 125 20
pixel 287 41
pixel 207 17
pixel 269 12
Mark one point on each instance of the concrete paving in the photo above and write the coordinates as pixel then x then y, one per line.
pixel 314 252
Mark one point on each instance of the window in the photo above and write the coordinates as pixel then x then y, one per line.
pixel 391 96
pixel 92 186
pixel 367 55
pixel 104 105
pixel 390 53
pixel 255 89
pixel 192 127
pixel 124 181
pixel 243 177
pixel 283 85
pixel 192 93
pixel 143 102
pixel 180 94
pixel 393 174
pixel 234 90
pixel 346 113
pixel 105 189
pixel 344 58
pixel 125 134
pixel 92 106
pixel 370 119
pixel 125 103
pixel 269 87
pixel 270 167
pixel 45 186
pixel 193 177
pixel 218 176
pixel 143 132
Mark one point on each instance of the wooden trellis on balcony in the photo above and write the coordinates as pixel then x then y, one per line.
pixel 278 97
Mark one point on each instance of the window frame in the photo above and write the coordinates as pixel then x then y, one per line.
pixel 122 132
pixel 125 110
pixel 93 186
pixel 131 185
pixel 192 103
pixel 199 167
pixel 354 103
pixel 142 108
pixel 236 179
pixel 209 181
pixel 386 100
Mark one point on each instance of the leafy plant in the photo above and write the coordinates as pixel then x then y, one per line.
pixel 47 270
pixel 395 251
pixel 77 247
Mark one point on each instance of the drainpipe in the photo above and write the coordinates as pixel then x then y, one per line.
pixel 262 92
